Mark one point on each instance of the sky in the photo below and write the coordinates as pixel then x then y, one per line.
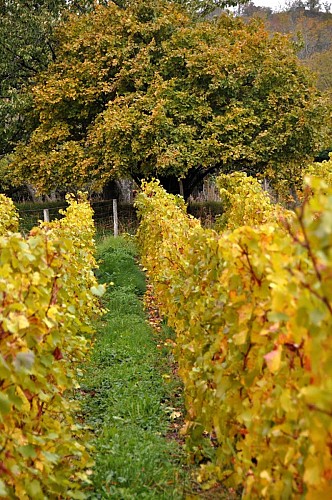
pixel 274 4
pixel 277 5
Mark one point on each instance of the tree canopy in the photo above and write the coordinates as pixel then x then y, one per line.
pixel 150 91
pixel 26 48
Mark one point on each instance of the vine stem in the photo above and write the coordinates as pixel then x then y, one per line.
pixel 251 269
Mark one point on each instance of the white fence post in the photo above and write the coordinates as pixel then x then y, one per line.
pixel 46 215
pixel 115 218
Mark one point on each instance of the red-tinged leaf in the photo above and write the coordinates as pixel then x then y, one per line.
pixel 57 354
pixel 273 360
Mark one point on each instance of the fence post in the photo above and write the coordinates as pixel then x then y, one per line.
pixel 181 188
pixel 115 217
pixel 46 215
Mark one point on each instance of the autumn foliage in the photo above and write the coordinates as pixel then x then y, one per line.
pixel 252 310
pixel 151 91
pixel 8 215
pixel 48 297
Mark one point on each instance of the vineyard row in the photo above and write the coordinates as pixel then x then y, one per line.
pixel 251 306
pixel 48 298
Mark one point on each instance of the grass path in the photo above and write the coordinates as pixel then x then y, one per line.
pixel 128 392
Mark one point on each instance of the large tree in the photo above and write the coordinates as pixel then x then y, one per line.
pixel 150 91
pixel 28 45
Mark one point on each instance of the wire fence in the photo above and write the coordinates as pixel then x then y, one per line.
pixel 103 216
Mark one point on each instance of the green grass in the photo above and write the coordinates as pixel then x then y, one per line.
pixel 126 401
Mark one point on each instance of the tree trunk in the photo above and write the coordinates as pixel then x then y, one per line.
pixel 32 193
